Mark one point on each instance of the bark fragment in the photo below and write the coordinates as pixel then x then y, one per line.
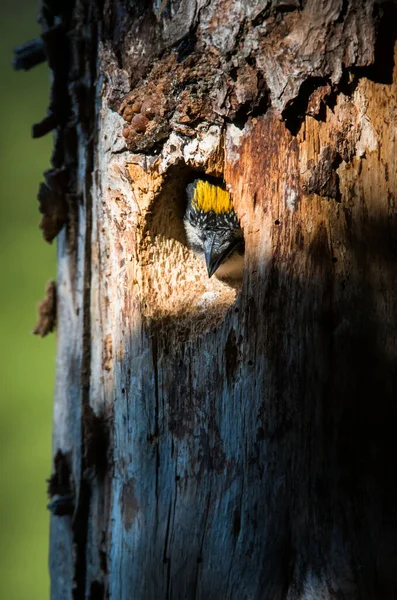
pixel 47 310
pixel 324 180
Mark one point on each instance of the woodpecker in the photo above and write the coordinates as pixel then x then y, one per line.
pixel 213 230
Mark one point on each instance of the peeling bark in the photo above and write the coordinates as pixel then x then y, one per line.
pixel 47 311
pixel 214 441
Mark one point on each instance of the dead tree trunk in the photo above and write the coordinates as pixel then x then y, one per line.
pixel 213 442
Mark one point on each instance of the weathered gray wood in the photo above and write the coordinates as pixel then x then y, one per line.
pixel 223 443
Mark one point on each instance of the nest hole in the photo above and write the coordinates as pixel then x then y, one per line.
pixel 174 286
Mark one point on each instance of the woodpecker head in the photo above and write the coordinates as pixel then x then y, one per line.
pixel 213 230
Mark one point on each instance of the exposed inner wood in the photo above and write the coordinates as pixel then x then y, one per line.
pixel 171 282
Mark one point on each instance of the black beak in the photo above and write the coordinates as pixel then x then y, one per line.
pixel 214 257
pixel 212 262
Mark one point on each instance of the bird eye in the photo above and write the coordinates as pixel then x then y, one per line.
pixel 191 217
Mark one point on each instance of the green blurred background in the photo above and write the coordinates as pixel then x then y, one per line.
pixel 27 363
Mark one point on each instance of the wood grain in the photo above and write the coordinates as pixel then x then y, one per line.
pixel 229 443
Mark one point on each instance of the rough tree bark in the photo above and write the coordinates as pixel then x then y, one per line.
pixel 212 442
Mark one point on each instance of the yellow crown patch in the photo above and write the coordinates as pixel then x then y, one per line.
pixel 208 197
